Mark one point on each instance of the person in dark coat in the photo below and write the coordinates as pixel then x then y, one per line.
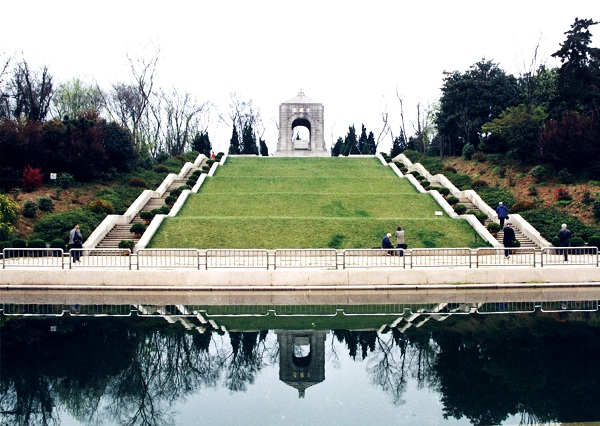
pixel 76 241
pixel 386 243
pixel 508 238
pixel 564 236
pixel 502 212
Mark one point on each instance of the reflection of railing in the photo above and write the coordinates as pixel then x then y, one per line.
pixel 401 310
pixel 300 258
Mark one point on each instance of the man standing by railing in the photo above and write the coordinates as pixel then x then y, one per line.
pixel 564 235
pixel 508 238
pixel 76 242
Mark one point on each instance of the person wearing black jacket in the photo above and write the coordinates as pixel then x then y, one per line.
pixel 508 239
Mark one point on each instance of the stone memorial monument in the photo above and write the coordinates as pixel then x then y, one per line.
pixel 301 111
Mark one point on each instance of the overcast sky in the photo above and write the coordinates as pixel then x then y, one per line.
pixel 351 56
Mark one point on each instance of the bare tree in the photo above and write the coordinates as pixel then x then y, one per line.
pixel 4 89
pixel 182 115
pixel 31 92
pixel 74 97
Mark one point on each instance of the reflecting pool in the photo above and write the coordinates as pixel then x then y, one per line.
pixel 428 364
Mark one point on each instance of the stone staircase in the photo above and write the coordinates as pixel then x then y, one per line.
pixel 525 242
pixel 121 232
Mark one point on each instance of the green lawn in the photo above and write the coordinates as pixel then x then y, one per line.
pixel 254 202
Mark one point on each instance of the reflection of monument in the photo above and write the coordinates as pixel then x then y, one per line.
pixel 301 358
pixel 301 111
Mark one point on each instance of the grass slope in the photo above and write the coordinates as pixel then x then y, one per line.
pixel 255 202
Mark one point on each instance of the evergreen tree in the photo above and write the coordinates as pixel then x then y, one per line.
pixel 363 146
pixel 201 143
pixel 336 149
pixel 234 142
pixel 264 149
pixel 371 143
pixel 350 143
pixel 398 145
pixel 249 140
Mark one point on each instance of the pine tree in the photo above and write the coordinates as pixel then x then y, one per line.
pixel 234 142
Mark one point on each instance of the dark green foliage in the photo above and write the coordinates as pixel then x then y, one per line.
pixel 210 162
pixel 493 227
pixel 596 209
pixel 19 243
pixel 58 225
pixel 161 210
pixel 45 204
pixel 58 243
pixel 587 198
pixel 577 242
pixel 126 244
pixel 191 182
pixel 102 207
pixel 137 182
pixel 5 244
pixel 234 142
pixel 460 180
pixel 36 243
pixel 170 200
pixel 119 147
pixel 201 143
pixel 522 205
pixel 399 145
pixel 264 149
pixel 146 215
pixel 460 208
pixel 444 191
pixel 477 184
pixel 492 195
pixel 137 228
pixel 538 172
pixel 196 173
pixel 180 158
pixel 452 200
pixel 177 192
pixel 425 184
pixel 468 151
pixel 120 197
pixel 30 209
pixel 161 168
pixel 594 241
pixel 564 176
pixel 547 222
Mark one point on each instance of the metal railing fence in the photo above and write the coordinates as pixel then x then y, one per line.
pixel 445 257
pixel 505 257
pixel 306 258
pixel 371 258
pixel 168 258
pixel 297 258
pixel 100 257
pixel 32 257
pixel 570 256
pixel 233 258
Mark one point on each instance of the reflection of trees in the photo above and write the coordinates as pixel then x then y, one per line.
pixel 247 358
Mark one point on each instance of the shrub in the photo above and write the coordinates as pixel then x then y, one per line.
pixel 197 173
pixel 460 208
pixel 522 205
pixel 30 209
pixel 561 193
pixel 45 204
pixel 452 200
pixel 137 228
pixel 460 180
pixel 492 195
pixel 479 156
pixel 564 176
pixel 468 151
pixel 532 190
pixel 587 198
pixel 502 171
pixel 19 243
pixel 101 207
pixel 161 168
pixel 177 192
pixel 170 200
pixel 210 162
pixel 206 168
pixel 7 232
pixel 58 225
pixel 137 183
pixel 420 177
pixel 425 184
pixel 161 210
pixel 577 241
pixel 191 182
pixel 65 180
pixel 562 203
pixel 493 227
pixel 32 178
pixel 5 244
pixel 594 240
pixel 58 243
pixel 547 221
pixel 538 172
pixel 444 191
pixel 596 209
pixel 36 243
pixel 9 210
pixel 181 158
pixel 479 183
pixel 415 173
pixel 126 244
pixel 481 216
pixel 146 215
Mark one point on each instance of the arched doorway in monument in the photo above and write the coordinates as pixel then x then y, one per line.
pixel 301 133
